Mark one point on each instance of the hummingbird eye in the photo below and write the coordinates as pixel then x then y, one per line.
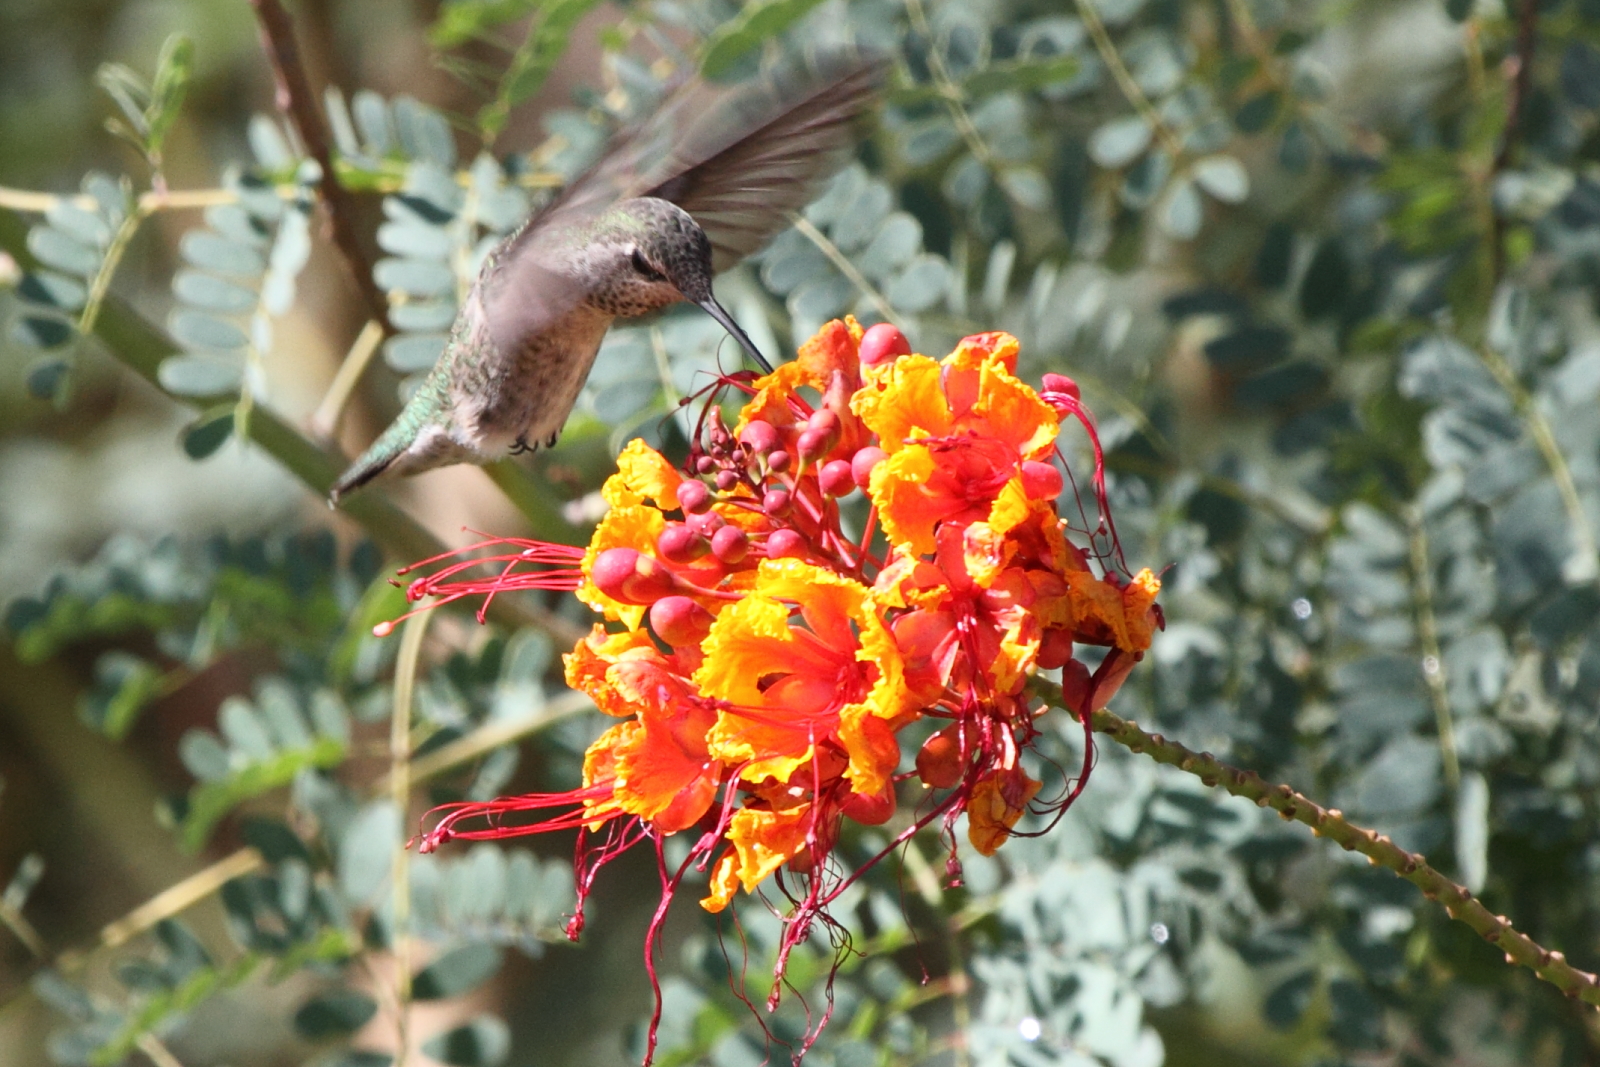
pixel 643 266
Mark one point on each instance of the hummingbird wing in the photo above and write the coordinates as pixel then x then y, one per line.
pixel 738 158
pixel 741 174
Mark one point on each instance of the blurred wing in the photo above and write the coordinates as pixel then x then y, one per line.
pixel 738 158
pixel 740 175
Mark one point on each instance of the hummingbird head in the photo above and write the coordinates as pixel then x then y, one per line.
pixel 648 253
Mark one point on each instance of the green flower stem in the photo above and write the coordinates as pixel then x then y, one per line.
pixel 1330 823
pixel 141 346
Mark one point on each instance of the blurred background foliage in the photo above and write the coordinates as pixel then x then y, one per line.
pixel 1325 270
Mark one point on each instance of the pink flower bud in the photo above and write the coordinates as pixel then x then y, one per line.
pixel 883 343
pixel 705 465
pixel 776 503
pixel 862 463
pixel 693 497
pixel 679 544
pixel 1041 481
pixel 679 621
pixel 823 420
pixel 870 809
pixel 812 444
pixel 726 480
pixel 836 477
pixel 730 544
pixel 778 461
pixel 759 437
pixel 1060 383
pixel 785 544
pixel 626 575
pixel 705 523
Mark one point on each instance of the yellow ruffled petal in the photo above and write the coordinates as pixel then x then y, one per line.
pixel 642 474
pixel 896 491
pixel 997 802
pixel 1137 600
pixel 903 400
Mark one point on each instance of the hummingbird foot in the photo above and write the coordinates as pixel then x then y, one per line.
pixel 521 447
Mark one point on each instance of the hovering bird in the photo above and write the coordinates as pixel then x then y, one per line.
pixel 703 182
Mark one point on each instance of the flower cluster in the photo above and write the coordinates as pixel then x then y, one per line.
pixel 764 660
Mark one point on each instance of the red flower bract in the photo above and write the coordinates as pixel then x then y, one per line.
pixel 764 659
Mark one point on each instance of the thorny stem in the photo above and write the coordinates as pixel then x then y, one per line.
pixel 1130 88
pixel 1428 638
pixel 405 679
pixel 1462 906
pixel 852 274
pixel 296 100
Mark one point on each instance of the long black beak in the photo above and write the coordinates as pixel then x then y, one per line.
pixel 716 311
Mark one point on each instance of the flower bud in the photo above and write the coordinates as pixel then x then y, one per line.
pixel 759 437
pixel 836 477
pixel 785 544
pixel 726 480
pixel 823 420
pixel 870 809
pixel 630 577
pixel 679 621
pixel 883 343
pixel 778 461
pixel 1060 383
pixel 1075 684
pixel 776 503
pixel 693 497
pixel 1055 649
pixel 730 544
pixel 1041 481
pixel 862 462
pixel 705 465
pixel 939 762
pixel 812 445
pixel 705 523
pixel 679 544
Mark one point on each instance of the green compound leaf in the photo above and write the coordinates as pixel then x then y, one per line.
pixel 755 24
pixel 456 972
pixel 210 802
pixel 203 437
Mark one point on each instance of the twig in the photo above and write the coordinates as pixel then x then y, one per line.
pixel 1130 88
pixel 490 735
pixel 156 1052
pixel 296 100
pixel 1586 554
pixel 1522 78
pixel 19 925
pixel 1428 638
pixel 405 679
pixel 842 262
pixel 176 898
pixel 949 91
pixel 1462 906
pixel 325 421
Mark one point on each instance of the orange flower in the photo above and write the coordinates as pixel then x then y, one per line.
pixel 792 693
pixel 771 658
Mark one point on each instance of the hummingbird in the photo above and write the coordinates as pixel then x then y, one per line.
pixel 703 182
